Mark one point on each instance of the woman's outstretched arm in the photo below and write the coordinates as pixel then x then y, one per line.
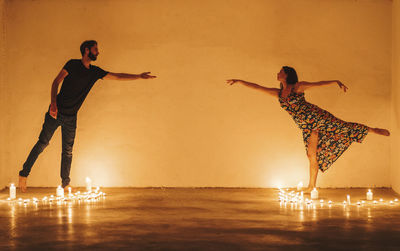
pixel 271 91
pixel 303 85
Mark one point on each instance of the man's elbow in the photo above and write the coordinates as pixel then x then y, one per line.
pixel 56 82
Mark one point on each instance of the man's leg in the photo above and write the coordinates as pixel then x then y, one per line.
pixel 49 126
pixel 68 128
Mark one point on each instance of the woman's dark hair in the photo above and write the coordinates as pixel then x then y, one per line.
pixel 87 44
pixel 291 78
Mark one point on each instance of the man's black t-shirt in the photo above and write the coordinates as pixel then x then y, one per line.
pixel 77 85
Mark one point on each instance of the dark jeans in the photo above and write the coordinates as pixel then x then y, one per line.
pixel 68 128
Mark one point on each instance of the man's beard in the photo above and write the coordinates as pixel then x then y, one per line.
pixel 92 56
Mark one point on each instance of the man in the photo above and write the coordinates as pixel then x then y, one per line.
pixel 78 77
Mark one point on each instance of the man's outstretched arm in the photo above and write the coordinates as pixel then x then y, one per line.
pixel 126 76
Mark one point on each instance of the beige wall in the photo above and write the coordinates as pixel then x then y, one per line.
pixel 188 127
pixel 2 61
pixel 3 171
pixel 395 139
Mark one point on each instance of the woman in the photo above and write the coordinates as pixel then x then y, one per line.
pixel 325 136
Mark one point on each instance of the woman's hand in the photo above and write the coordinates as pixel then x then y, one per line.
pixel 233 81
pixel 342 86
pixel 145 75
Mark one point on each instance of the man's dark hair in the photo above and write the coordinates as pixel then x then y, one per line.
pixel 87 44
pixel 291 78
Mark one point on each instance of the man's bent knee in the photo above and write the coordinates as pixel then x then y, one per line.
pixel 41 144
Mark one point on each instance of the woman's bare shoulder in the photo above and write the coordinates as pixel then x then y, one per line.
pixel 297 87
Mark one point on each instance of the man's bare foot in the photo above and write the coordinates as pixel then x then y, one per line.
pixel 73 189
pixel 22 183
pixel 380 131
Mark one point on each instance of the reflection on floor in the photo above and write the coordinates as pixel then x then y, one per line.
pixel 201 219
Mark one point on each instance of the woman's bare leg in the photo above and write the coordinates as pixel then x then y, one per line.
pixel 379 131
pixel 312 157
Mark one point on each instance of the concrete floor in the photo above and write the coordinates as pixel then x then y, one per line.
pixel 200 219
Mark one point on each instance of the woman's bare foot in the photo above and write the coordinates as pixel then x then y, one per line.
pixel 380 131
pixel 22 183
pixel 308 189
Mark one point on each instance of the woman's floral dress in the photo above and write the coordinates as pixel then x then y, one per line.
pixel 334 136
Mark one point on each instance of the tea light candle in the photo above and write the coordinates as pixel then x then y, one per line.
pixel 13 192
pixel 88 184
pixel 314 194
pixel 299 186
pixel 370 195
pixel 60 191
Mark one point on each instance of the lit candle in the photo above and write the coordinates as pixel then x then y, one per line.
pixel 391 202
pixel 299 186
pixel 370 195
pixel 348 199
pixel 88 184
pixel 60 191
pixel 13 192
pixel 396 200
pixel 69 191
pixel 314 194
pixel 330 202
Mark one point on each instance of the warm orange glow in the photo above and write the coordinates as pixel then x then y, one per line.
pixel 187 127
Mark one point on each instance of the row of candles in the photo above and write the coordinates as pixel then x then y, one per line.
pixel 89 195
pixel 293 197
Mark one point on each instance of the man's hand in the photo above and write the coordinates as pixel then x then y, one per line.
pixel 233 81
pixel 145 75
pixel 53 110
